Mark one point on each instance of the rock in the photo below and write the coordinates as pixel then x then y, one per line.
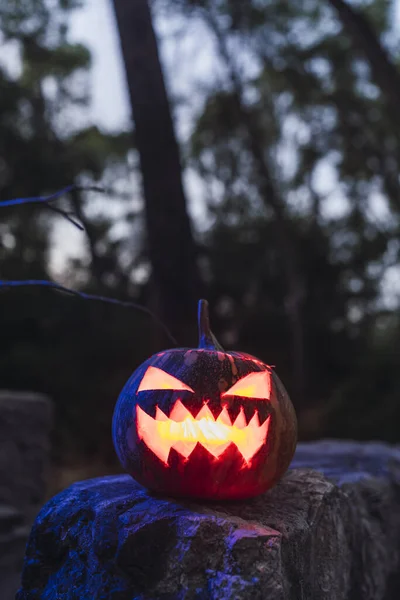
pixel 327 533
pixel 25 421
pixel 13 537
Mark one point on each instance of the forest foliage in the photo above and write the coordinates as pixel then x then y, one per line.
pixel 296 143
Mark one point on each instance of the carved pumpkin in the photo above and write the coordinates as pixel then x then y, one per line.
pixel 205 423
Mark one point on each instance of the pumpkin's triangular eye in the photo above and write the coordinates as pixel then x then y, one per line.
pixel 157 379
pixel 254 385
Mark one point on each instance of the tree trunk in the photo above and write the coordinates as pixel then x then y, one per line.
pixel 384 72
pixel 170 241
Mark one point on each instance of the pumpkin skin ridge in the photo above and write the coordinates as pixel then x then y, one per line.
pixel 197 493
pixel 186 463
pixel 228 491
pixel 184 485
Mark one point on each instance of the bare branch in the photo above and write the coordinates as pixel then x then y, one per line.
pixel 47 201
pixel 84 296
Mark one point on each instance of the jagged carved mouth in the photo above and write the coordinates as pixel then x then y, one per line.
pixel 182 431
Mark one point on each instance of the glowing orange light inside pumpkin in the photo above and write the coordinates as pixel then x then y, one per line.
pixel 182 432
pixel 254 385
pixel 157 379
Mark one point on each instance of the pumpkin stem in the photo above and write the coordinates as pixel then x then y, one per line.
pixel 207 339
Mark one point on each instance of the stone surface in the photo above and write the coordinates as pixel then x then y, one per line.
pixel 332 533
pixel 13 536
pixel 25 421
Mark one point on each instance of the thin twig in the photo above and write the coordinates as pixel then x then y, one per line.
pixel 66 216
pixel 56 286
pixel 54 196
pixel 84 296
pixel 47 200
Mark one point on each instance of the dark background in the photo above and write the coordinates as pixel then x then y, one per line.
pixel 295 145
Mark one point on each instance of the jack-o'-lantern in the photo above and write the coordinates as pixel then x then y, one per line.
pixel 205 423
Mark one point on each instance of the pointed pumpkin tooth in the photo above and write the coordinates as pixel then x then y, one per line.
pixel 240 421
pixel 255 421
pixel 224 417
pixel 184 448
pixel 148 431
pixel 265 427
pixel 160 415
pixel 216 451
pixel 205 413
pixel 249 408
pixel 255 438
pixel 180 412
pixel 233 410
